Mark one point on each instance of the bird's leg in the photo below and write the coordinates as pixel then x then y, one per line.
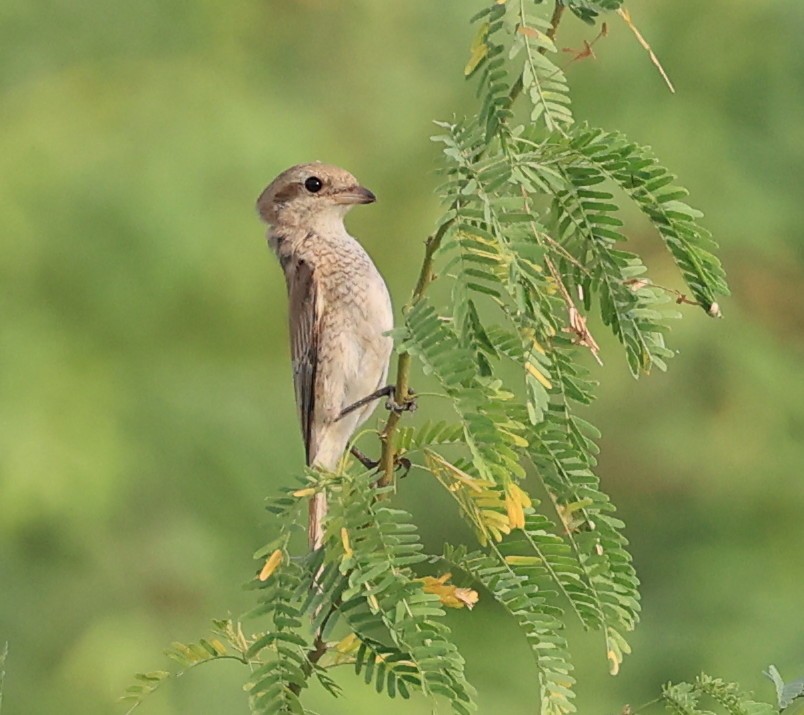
pixel 369 463
pixel 365 460
pixel 382 392
pixel 388 391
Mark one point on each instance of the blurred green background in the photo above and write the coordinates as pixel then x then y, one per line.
pixel 146 405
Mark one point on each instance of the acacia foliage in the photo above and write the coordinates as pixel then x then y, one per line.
pixel 697 697
pixel 530 240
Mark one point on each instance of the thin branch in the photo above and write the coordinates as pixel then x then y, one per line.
pixel 313 656
pixel 577 321
pixel 587 51
pixel 628 710
pixel 636 283
pixel 626 16
pixel 402 394
pixel 558 11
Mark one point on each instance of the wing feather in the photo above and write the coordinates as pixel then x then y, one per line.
pixel 304 324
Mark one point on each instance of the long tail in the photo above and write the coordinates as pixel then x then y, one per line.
pixel 315 529
pixel 330 442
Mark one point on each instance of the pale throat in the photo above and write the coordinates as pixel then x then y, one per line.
pixel 289 235
pixel 326 221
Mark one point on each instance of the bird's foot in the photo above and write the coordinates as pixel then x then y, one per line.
pixel 407 405
pixel 404 464
pixel 389 391
pixel 365 460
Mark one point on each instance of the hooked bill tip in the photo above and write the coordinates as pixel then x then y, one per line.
pixel 366 195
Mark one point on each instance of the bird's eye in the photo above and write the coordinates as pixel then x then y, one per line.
pixel 313 184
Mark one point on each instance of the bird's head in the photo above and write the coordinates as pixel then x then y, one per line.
pixel 311 194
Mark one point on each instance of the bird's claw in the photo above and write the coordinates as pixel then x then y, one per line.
pixel 402 463
pixel 407 405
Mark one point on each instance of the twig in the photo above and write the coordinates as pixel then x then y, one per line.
pixel 636 283
pixel 577 321
pixel 641 708
pixel 587 50
pixel 626 16
pixel 558 11
pixel 402 393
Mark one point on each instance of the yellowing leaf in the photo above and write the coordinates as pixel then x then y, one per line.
pixel 515 438
pixel 348 644
pixel 537 346
pixel 571 523
pixel 574 506
pixel 305 492
pixel 478 50
pixel 347 548
pixel 450 595
pixel 515 560
pixel 271 565
pixel 217 646
pixel 516 501
pixel 614 662
pixel 437 460
pixel 343 651
pixel 541 378
pixel 529 31
pixel 516 517
pixel 467 596
pixel 481 500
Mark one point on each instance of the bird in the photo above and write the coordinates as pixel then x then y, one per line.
pixel 339 311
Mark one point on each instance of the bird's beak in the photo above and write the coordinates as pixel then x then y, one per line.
pixel 355 195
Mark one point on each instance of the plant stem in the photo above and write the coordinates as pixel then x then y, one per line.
pixel 645 706
pixel 558 11
pixel 402 394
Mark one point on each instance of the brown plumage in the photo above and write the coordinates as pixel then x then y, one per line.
pixel 339 308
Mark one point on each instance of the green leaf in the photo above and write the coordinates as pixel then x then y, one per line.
pixel 543 83
pixel 786 693
pixel 516 590
pixel 637 171
pixel 588 10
